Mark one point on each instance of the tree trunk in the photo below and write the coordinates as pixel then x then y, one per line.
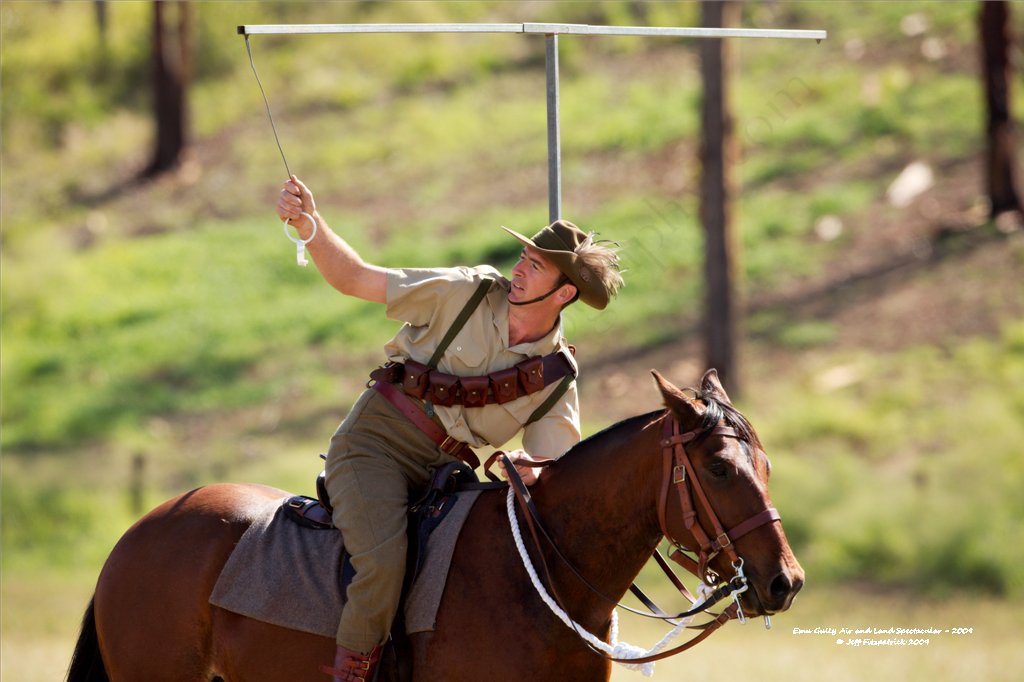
pixel 172 43
pixel 718 154
pixel 103 53
pixel 996 38
pixel 100 7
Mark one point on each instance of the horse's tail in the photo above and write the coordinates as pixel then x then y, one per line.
pixel 86 662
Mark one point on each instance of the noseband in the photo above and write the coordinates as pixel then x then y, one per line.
pixel 678 473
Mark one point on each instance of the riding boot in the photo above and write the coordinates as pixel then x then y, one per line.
pixel 352 666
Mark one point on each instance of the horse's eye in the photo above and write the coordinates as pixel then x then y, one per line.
pixel 719 470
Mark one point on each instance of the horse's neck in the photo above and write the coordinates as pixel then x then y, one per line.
pixel 599 504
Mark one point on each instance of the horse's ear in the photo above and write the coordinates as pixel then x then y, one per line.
pixel 711 384
pixel 676 400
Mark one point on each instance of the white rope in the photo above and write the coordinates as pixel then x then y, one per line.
pixel 616 649
pixel 300 244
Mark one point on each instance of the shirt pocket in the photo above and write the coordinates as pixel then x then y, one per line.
pixel 467 354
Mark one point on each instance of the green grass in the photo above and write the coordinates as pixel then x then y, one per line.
pixel 142 324
pixel 907 475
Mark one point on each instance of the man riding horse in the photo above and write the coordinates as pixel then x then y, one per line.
pixel 478 359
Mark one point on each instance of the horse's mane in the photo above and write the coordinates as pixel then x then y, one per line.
pixel 716 410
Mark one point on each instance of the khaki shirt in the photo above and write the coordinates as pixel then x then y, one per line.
pixel 428 301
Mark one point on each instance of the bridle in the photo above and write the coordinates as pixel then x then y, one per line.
pixel 678 473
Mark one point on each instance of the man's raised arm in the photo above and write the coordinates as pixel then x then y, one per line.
pixel 340 265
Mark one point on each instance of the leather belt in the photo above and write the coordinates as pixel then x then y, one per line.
pixel 415 414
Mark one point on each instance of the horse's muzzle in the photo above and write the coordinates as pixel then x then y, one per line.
pixel 774 595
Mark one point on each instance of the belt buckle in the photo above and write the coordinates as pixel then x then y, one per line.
pixel 449 445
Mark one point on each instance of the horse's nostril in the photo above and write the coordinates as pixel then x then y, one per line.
pixel 781 587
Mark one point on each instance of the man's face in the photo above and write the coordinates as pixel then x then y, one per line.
pixel 533 276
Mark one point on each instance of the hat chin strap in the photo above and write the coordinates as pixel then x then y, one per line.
pixel 561 282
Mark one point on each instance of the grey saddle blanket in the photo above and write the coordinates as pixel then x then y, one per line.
pixel 290 576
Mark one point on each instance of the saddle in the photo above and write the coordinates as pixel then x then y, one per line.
pixel 425 514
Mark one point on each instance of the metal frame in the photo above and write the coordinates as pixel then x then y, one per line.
pixel 550 33
pixel 547 29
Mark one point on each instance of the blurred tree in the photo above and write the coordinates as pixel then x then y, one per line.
pixel 996 38
pixel 718 154
pixel 100 7
pixel 172 70
pixel 103 59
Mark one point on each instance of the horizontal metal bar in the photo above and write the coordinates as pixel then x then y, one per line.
pixel 549 29
pixel 674 31
pixel 254 29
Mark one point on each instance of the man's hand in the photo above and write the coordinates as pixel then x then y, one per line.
pixel 296 199
pixel 528 473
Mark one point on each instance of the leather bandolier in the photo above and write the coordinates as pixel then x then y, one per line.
pixel 439 388
pixel 399 382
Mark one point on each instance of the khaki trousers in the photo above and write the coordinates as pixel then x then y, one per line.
pixel 376 458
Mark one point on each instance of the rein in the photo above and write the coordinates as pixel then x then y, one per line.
pixel 678 473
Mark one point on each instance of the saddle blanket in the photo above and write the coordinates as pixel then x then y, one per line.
pixel 286 575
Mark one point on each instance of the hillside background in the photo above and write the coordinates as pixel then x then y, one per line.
pixel 157 335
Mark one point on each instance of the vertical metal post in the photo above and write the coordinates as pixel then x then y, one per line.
pixel 554 136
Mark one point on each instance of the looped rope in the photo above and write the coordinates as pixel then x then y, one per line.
pixel 616 649
pixel 300 244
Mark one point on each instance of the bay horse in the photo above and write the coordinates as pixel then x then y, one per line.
pixel 604 504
